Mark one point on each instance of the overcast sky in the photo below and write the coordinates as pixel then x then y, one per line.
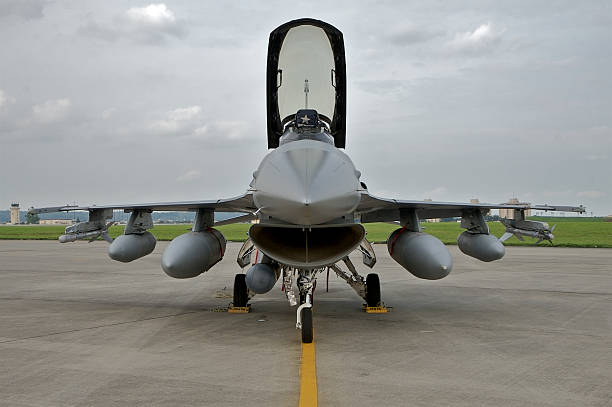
pixel 131 101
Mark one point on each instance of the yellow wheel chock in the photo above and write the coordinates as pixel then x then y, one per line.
pixel 382 309
pixel 239 310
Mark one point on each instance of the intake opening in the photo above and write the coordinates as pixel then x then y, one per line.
pixel 307 248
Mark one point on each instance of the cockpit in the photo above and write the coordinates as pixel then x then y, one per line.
pixel 306 125
pixel 306 74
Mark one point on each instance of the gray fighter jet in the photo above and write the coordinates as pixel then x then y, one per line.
pixel 306 200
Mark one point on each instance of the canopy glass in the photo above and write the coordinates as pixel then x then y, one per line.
pixel 306 74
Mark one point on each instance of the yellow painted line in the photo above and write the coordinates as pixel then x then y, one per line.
pixel 308 376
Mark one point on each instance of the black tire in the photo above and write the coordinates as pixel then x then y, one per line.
pixel 241 296
pixel 372 290
pixel 306 325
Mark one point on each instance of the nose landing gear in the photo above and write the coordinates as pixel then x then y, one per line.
pixel 306 283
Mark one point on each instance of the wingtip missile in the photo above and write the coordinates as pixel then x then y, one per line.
pixel 529 228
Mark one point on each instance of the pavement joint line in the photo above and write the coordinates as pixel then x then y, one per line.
pixel 97 326
pixel 308 376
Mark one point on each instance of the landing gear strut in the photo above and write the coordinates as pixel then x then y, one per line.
pixel 368 288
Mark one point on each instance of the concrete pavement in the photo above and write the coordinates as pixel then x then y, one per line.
pixel 78 329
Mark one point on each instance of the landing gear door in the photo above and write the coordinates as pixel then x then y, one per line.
pixel 306 70
pixel 244 254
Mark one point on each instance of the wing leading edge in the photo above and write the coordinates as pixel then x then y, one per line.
pixel 243 204
pixel 376 209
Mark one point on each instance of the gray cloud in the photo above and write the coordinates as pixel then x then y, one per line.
pixel 26 9
pixel 51 110
pixel 189 176
pixel 5 99
pixel 591 194
pixel 482 39
pixel 436 108
pixel 178 121
pixel 410 35
pixel 153 24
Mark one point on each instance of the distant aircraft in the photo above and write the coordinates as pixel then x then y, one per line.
pixel 306 197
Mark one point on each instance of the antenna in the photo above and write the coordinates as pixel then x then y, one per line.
pixel 306 90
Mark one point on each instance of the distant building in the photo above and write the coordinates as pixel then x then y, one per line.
pixel 15 220
pixel 509 213
pixel 433 220
pixel 608 218
pixel 55 222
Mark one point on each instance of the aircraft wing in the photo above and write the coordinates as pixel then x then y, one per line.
pixel 141 220
pixel 376 209
pixel 243 203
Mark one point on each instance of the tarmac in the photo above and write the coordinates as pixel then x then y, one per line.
pixel 78 329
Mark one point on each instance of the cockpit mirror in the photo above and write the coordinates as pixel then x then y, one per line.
pixel 279 79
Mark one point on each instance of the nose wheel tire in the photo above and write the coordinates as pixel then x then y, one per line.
pixel 307 325
pixel 372 290
pixel 241 296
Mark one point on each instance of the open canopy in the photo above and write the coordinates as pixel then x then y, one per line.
pixel 306 70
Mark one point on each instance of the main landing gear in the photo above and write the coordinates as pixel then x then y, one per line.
pixel 368 288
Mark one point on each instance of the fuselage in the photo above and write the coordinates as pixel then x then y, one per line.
pixel 306 191
pixel 306 182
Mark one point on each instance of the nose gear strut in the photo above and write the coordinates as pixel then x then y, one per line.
pixel 305 281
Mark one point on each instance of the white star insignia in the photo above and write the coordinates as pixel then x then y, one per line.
pixel 305 119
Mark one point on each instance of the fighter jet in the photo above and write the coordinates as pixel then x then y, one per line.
pixel 306 198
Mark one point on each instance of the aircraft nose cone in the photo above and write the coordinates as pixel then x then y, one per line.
pixel 306 182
